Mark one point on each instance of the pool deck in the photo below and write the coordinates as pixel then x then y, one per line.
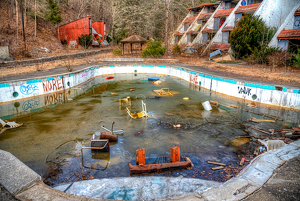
pixel 262 174
pixel 199 69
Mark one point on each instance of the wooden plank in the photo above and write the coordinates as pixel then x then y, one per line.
pixel 216 163
pixel 217 168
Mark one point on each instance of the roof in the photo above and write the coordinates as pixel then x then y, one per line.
pixel 178 34
pixel 192 32
pixel 189 19
pixel 248 9
pixel 289 34
pixel 205 16
pixel 222 13
pixel 297 12
pixel 75 21
pixel 207 30
pixel 134 38
pixel 228 28
pixel 202 5
pixel 220 46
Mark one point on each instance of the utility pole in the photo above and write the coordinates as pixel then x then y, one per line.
pixel 23 22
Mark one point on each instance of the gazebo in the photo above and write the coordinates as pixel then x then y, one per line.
pixel 133 44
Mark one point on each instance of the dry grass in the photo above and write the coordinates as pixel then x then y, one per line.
pixel 257 73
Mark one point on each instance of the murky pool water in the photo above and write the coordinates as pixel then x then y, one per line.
pixel 51 141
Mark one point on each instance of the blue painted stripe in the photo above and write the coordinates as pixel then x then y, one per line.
pixel 135 65
pixel 181 69
pixel 50 78
pixel 260 86
pixel 201 75
pixel 7 117
pixel 112 65
pixel 62 76
pixel 92 68
pixel 4 85
pixel 97 67
pixel 297 91
pixel 220 79
pixel 33 81
pixel 162 66
pixel 284 89
pixel 37 109
pixel 86 70
pixel 71 75
pixel 191 72
pixel 147 65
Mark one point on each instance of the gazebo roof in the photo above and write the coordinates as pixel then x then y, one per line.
pixel 134 39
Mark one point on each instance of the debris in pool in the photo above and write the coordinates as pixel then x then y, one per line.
pixel 242 162
pixel 216 163
pixel 110 77
pixel 186 98
pixel 253 120
pixel 139 114
pixel 10 124
pixel 206 106
pixel 218 168
pixel 132 89
pixel 109 135
pixel 214 103
pixel 113 94
pixel 163 92
pixel 175 162
pixel 138 133
pixel 155 97
pixel 113 131
pixel 153 79
pixel 70 99
pixel 176 126
pixel 100 144
pixel 156 82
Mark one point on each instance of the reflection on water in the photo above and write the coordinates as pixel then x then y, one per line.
pixel 51 140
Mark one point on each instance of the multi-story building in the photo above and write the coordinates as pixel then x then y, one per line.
pixel 210 25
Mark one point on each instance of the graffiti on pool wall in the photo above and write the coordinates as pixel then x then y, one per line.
pixel 53 98
pixel 30 104
pixel 27 89
pixel 194 79
pixel 53 85
pixel 244 90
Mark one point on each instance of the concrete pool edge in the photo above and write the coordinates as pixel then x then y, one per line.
pixel 29 186
pixel 282 96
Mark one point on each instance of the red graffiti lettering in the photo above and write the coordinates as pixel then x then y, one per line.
pixel 59 82
pixel 54 84
pixel 45 87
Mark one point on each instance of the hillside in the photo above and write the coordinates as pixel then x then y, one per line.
pixel 11 34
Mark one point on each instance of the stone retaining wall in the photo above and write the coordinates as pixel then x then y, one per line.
pixel 53 58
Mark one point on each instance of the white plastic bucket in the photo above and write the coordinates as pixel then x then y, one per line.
pixel 207 105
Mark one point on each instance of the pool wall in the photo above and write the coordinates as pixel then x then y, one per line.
pixel 59 88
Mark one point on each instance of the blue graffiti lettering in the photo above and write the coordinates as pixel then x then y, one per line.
pixel 244 90
pixel 28 89
pixel 30 104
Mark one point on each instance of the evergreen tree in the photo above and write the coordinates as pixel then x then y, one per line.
pixel 250 35
pixel 54 12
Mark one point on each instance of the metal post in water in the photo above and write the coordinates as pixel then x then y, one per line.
pixel 112 127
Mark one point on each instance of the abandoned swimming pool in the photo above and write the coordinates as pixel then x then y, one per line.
pixel 50 141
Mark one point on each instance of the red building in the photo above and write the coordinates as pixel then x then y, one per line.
pixel 69 33
pixel 99 30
